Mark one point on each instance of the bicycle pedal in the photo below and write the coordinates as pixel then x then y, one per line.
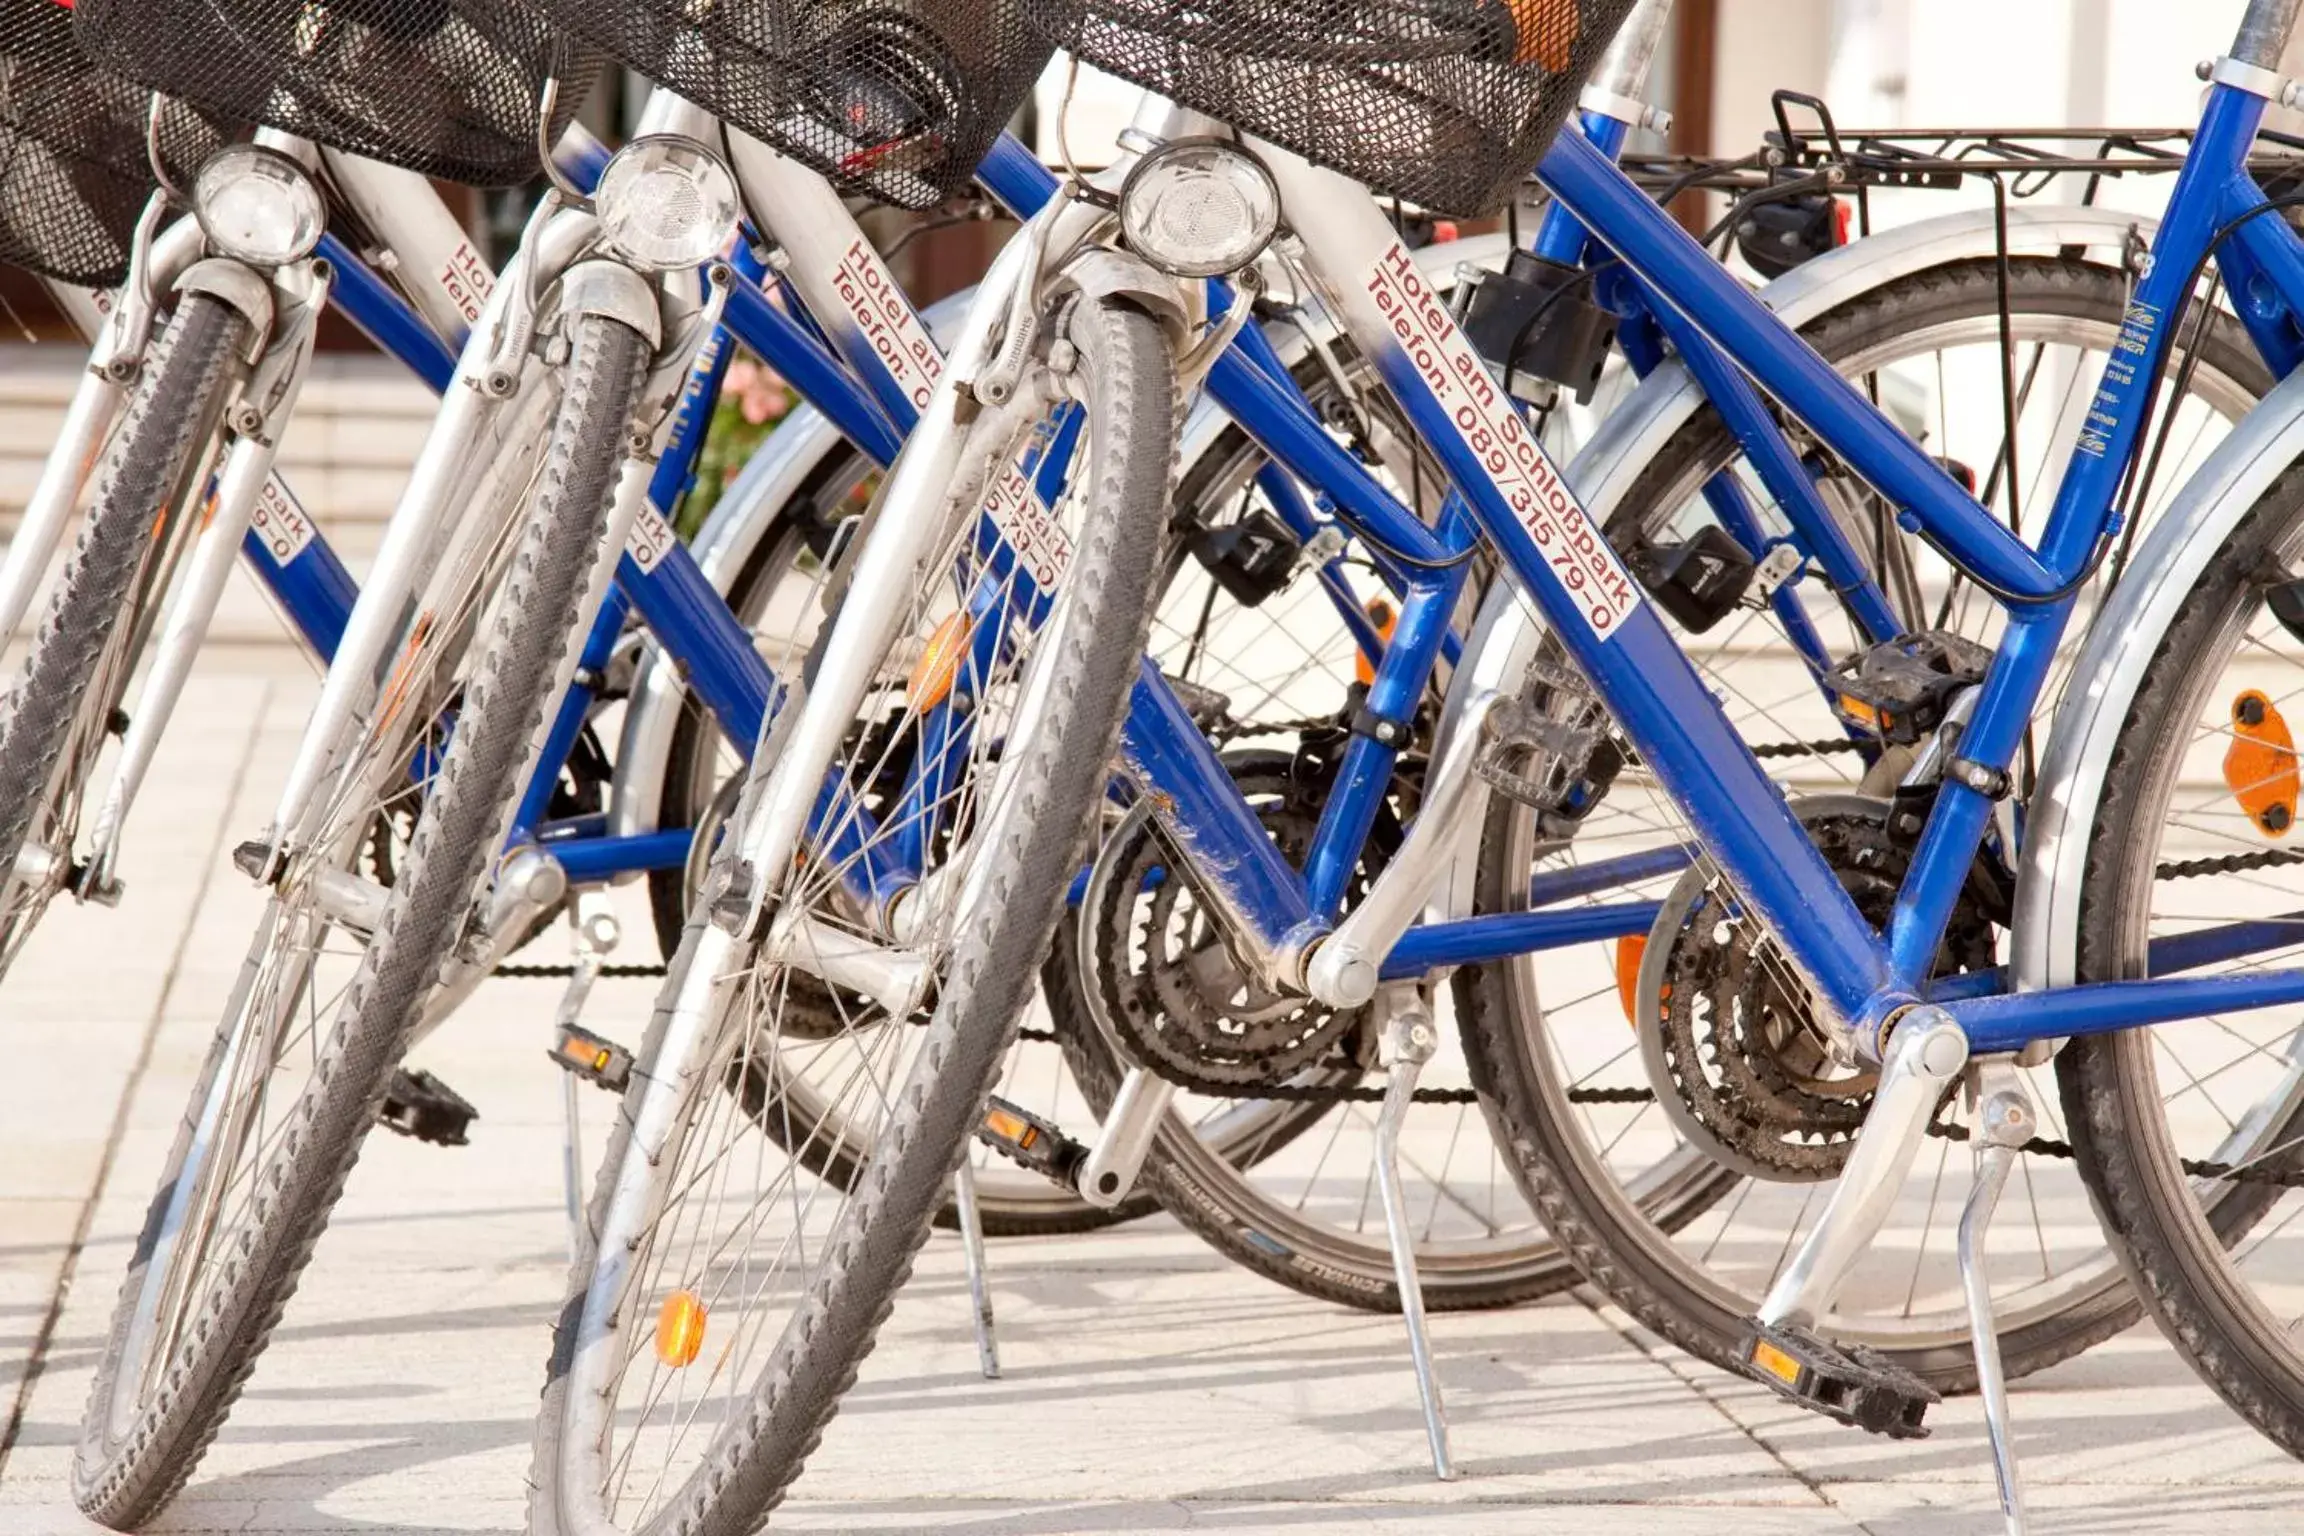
pixel 1024 1138
pixel 597 1059
pixel 420 1105
pixel 1856 1385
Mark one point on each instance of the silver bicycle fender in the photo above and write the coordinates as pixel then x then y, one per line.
pixel 2096 702
pixel 1637 431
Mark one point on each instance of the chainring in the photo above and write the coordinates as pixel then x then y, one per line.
pixel 1726 1025
pixel 1173 991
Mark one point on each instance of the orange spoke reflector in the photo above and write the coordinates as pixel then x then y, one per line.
pixel 1380 614
pixel 1630 950
pixel 2260 765
pixel 680 1329
pixel 939 664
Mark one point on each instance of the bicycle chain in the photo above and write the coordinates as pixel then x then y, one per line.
pixel 2228 864
pixel 564 972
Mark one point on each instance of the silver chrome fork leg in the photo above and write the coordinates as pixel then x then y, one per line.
pixel 1409 1041
pixel 1925 1055
pixel 971 1220
pixel 2005 1122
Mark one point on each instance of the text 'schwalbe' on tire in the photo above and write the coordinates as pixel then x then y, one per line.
pixel 194 1316
pixel 723 1252
pixel 1616 1179
pixel 53 717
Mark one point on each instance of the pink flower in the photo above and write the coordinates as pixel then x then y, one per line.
pixel 760 396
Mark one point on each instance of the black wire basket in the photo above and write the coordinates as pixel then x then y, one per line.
pixel 74 173
pixel 893 99
pixel 450 88
pixel 1444 103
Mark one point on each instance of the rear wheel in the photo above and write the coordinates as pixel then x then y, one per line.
pixel 1673 1114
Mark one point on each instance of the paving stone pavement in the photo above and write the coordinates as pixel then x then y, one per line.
pixel 1148 1385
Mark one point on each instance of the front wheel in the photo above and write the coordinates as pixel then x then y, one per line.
pixel 261 1161
pixel 53 721
pixel 731 1284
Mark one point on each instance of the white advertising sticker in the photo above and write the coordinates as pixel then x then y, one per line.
pixel 888 322
pixel 280 523
pixel 1483 417
pixel 651 538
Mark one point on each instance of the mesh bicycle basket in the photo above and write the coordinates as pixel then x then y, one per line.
pixel 446 87
pixel 893 99
pixel 73 170
pixel 1446 103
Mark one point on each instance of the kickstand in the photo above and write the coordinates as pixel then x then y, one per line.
pixel 1408 1042
pixel 596 934
pixel 971 1220
pixel 2005 1123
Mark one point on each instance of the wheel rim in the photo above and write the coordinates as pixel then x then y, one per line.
pixel 284 1002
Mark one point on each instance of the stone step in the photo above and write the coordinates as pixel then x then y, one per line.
pixel 359 425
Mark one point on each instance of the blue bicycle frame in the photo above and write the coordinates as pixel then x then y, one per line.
pixel 1669 715
pixel 1739 816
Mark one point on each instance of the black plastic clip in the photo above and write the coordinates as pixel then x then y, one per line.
pixel 1991 783
pixel 1381 729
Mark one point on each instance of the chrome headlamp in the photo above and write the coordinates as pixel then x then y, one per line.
pixel 1199 207
pixel 666 202
pixel 258 206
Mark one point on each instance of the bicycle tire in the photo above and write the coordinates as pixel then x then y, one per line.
pixel 155 454
pixel 2178 1254
pixel 1127 382
pixel 1627 1255
pixel 123 1479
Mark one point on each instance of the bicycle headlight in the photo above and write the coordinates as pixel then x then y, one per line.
pixel 665 203
pixel 1199 207
pixel 258 206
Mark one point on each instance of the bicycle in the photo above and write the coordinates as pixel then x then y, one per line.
pixel 1871 1001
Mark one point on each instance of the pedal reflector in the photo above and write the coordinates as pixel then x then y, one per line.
pixel 1854 1385
pixel 1011 1128
pixel 2260 765
pixel 1775 1362
pixel 680 1329
pixel 597 1057
pixel 1023 1137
